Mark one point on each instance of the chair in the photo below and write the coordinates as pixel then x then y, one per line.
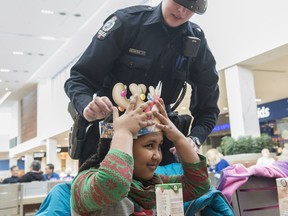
pixel 35 188
pixel 33 195
pixel 257 197
pixel 10 199
pixel 51 184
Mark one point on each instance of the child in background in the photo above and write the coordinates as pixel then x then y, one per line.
pixel 216 162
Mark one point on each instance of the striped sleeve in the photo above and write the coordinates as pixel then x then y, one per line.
pixel 95 189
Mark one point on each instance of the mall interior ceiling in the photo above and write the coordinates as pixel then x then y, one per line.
pixel 43 34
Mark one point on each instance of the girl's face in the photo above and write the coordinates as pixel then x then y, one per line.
pixel 147 155
pixel 174 14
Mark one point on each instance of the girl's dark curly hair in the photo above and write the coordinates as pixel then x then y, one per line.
pixel 98 157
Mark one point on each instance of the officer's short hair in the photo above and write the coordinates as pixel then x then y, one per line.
pixel 36 165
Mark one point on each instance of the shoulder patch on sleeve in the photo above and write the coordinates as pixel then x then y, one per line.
pixel 112 24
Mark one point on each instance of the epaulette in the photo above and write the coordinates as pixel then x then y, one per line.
pixel 138 8
pixel 197 29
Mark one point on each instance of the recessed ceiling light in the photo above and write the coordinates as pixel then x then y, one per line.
pixel 47 38
pixel 17 53
pixel 49 12
pixel 5 70
pixel 6 89
pixel 0 80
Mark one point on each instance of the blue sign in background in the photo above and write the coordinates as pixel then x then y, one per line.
pixel 277 110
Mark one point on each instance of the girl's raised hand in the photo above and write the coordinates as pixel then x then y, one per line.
pixel 134 118
pixel 166 125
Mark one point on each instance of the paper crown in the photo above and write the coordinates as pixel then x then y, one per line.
pixel 119 94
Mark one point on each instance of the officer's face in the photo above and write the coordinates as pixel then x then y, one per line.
pixel 175 14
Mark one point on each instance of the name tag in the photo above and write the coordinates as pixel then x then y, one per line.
pixel 169 199
pixel 137 52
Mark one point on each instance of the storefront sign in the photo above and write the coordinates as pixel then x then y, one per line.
pixel 266 112
pixel 272 111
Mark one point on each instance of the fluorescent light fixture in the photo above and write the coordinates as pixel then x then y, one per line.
pixel 5 70
pixel 4 97
pixel 49 12
pixel 258 100
pixel 17 53
pixel 47 38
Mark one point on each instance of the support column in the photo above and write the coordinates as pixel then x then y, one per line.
pixel 51 152
pixel 28 160
pixel 241 101
pixel 12 161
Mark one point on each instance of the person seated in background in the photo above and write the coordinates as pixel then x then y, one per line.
pixel 266 158
pixel 14 175
pixel 284 154
pixel 50 175
pixel 68 176
pixel 34 174
pixel 216 162
pixel 120 178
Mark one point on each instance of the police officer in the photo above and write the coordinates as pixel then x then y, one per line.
pixel 143 44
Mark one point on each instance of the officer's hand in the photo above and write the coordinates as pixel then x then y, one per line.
pixel 98 108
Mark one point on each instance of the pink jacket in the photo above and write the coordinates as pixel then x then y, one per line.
pixel 236 175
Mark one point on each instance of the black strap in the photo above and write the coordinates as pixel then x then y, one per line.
pixel 181 97
pixel 184 88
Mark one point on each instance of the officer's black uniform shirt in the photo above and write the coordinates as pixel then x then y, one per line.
pixel 135 46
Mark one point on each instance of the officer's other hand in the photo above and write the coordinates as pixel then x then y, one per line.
pixel 98 108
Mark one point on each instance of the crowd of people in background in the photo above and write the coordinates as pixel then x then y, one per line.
pixel 216 163
pixel 36 174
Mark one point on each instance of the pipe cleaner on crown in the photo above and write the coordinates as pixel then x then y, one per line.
pixel 119 94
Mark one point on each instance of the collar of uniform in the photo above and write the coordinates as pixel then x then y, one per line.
pixel 155 17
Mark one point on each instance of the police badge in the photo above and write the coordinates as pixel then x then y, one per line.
pixel 108 27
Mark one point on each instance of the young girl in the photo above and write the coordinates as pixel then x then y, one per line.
pixel 120 178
